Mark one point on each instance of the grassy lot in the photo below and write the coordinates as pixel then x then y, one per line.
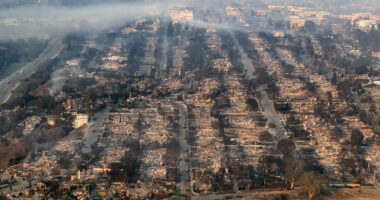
pixel 11 69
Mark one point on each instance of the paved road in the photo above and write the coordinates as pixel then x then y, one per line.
pixel 271 114
pixel 266 104
pixel 247 63
pixel 10 83
pixel 95 129
pixel 183 184
pixel 165 50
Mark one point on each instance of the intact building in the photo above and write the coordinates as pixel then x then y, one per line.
pixel 81 120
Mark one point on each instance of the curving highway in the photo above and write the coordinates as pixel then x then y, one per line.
pixel 10 83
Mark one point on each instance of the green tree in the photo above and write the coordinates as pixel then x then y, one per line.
pixel 286 147
pixel 293 169
pixel 267 167
pixel 334 79
pixel 55 172
pixel 206 179
pixel 337 133
pixel 311 183
pixel 356 138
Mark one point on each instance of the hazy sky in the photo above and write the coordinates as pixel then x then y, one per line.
pixel 42 21
pixel 45 20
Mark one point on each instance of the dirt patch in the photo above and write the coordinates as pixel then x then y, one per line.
pixel 365 193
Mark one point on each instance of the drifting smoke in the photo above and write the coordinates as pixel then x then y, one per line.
pixel 44 21
pixel 58 81
pixel 47 21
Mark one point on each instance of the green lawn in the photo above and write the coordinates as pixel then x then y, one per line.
pixel 11 69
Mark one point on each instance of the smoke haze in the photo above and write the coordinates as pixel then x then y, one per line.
pixel 45 21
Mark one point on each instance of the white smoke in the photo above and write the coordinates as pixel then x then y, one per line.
pixel 58 81
pixel 47 21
